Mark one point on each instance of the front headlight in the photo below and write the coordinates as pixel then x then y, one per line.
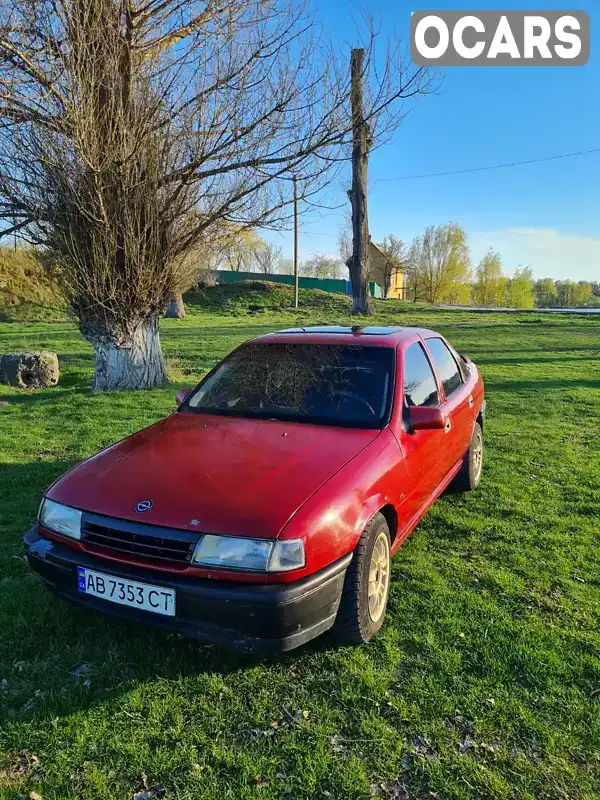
pixel 259 555
pixel 60 519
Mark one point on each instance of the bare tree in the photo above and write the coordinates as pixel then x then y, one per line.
pixel 287 266
pixel 201 263
pixel 394 257
pixel 236 249
pixel 358 264
pixel 345 239
pixel 321 266
pixel 175 307
pixel 132 129
pixel 268 258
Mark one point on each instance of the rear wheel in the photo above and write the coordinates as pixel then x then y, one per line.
pixel 366 587
pixel 469 475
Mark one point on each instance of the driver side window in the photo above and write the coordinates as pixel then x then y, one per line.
pixel 420 385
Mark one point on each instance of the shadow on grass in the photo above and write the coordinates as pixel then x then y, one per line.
pixel 205 334
pixel 48 638
pixel 19 480
pixel 26 397
pixel 541 385
pixel 542 350
pixel 19 328
pixel 44 641
pixel 541 359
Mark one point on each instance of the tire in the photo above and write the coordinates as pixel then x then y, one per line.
pixel 358 619
pixel 469 476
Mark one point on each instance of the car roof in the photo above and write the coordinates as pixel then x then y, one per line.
pixel 382 336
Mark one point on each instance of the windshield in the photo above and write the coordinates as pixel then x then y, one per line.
pixel 319 383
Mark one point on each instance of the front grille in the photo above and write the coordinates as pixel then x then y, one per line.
pixel 132 539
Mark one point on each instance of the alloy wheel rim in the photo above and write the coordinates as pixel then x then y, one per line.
pixel 478 456
pixel 379 577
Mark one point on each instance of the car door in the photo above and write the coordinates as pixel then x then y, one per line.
pixel 458 404
pixel 422 450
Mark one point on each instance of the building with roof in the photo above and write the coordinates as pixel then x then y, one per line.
pixel 378 273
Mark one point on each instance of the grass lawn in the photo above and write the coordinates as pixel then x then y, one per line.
pixel 480 684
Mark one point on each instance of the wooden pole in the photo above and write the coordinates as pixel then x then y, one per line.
pixel 296 241
pixel 359 264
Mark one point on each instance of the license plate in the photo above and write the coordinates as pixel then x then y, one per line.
pixel 144 596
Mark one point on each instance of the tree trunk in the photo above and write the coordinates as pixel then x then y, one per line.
pixel 136 362
pixel 359 262
pixel 387 284
pixel 175 308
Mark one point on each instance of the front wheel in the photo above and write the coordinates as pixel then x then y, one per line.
pixel 469 475
pixel 366 587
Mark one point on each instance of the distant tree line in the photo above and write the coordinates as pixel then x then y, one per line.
pixel 437 268
pixel 566 294
pixel 491 287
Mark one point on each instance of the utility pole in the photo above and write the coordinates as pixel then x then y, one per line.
pixel 296 241
pixel 359 264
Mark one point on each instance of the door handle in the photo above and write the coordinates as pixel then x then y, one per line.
pixel 471 401
pixel 448 425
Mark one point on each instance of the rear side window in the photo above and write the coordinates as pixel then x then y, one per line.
pixel 420 386
pixel 446 365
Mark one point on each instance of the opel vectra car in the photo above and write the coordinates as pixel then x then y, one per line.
pixel 265 509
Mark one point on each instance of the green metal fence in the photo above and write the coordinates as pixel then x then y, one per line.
pixel 337 286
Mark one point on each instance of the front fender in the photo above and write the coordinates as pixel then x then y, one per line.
pixel 371 506
pixel 332 521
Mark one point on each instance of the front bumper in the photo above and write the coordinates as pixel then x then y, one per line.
pixel 254 617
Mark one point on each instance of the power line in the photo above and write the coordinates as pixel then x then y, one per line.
pixel 493 166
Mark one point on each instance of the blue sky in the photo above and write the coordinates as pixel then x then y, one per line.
pixel 544 215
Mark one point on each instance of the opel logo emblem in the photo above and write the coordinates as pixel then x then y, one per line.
pixel 144 505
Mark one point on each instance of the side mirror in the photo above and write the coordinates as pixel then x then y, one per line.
pixel 423 418
pixel 181 396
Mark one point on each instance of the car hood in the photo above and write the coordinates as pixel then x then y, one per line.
pixel 209 473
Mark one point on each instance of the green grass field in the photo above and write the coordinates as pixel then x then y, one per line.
pixel 481 683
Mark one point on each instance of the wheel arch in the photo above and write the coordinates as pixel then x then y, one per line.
pixel 391 517
pixel 378 503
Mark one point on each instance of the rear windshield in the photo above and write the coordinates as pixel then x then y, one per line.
pixel 318 383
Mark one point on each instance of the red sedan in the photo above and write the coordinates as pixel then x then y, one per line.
pixel 265 510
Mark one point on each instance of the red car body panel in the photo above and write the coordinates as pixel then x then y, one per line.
pixel 223 475
pixel 268 479
pixel 401 472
